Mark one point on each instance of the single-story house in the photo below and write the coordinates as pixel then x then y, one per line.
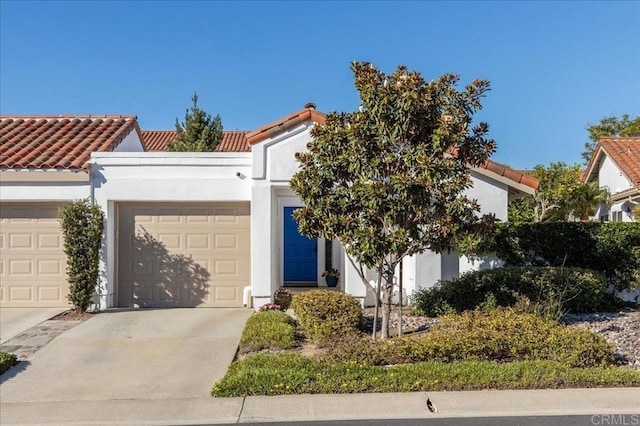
pixel 183 229
pixel 615 166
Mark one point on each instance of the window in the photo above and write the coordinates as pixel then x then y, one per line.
pixel 617 216
pixel 604 218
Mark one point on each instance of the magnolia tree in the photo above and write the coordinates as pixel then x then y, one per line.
pixel 387 180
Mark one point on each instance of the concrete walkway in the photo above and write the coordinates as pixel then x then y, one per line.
pixel 206 410
pixel 14 321
pixel 127 355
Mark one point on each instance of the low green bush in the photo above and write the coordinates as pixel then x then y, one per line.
pixel 268 330
pixel 296 374
pixel 571 289
pixel 324 313
pixel 502 335
pixel 7 361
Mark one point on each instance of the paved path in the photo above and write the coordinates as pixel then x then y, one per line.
pixel 14 321
pixel 304 408
pixel 126 355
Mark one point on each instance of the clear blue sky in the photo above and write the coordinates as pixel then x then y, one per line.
pixel 554 66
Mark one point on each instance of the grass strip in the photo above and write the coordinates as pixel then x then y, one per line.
pixel 287 374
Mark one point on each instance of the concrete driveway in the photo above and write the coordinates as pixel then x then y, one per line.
pixel 14 321
pixel 133 354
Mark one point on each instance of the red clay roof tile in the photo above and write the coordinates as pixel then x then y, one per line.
pixel 59 142
pixel 623 151
pixel 232 141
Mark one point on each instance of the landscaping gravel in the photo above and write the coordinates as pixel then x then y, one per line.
pixel 619 328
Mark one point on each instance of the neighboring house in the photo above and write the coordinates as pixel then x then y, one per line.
pixel 193 229
pixel 615 165
pixel 43 166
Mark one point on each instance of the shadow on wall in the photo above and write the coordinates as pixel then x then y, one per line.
pixel 163 279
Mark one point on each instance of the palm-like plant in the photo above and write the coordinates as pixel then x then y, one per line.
pixel 585 199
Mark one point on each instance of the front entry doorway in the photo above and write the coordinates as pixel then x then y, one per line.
pixel 300 254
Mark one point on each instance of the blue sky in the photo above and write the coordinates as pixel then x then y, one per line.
pixel 554 66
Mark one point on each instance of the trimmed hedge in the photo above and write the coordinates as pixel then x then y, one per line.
pixel 502 335
pixel 324 313
pixel 268 330
pixel 611 248
pixel 7 361
pixel 571 289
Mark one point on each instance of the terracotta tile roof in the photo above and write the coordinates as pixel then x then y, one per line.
pixel 59 142
pixel 286 123
pixel 511 174
pixel 623 151
pixel 232 141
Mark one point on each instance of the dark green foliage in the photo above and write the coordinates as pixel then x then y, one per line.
pixel 383 180
pixel 199 132
pixel 611 248
pixel 82 224
pixel 268 330
pixel 324 313
pixel 7 361
pixel 499 335
pixel 577 290
pixel 296 374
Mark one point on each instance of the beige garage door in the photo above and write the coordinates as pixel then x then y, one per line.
pixel 32 260
pixel 183 255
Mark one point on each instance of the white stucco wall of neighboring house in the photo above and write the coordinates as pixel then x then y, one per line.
pixel 161 177
pixel 43 191
pixel 610 177
pixel 131 143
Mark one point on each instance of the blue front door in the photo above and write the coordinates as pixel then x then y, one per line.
pixel 300 252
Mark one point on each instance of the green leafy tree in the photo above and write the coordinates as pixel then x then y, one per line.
pixel 557 182
pixel 582 203
pixel 199 132
pixel 82 224
pixel 610 126
pixel 387 181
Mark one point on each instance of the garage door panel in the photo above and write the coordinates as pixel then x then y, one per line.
pixel 32 259
pixel 183 255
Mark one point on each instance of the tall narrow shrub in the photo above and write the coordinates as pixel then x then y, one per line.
pixel 82 225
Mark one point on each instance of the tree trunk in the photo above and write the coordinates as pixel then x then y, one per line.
pixel 386 306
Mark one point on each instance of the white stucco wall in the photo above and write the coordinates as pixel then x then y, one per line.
pixel 610 177
pixel 44 191
pixel 131 143
pixel 159 176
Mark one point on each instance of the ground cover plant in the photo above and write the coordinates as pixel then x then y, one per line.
pixel 494 349
pixel 271 329
pixel 7 361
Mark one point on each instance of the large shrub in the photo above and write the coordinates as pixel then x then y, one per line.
pixel 502 335
pixel 268 330
pixel 611 248
pixel 573 289
pixel 324 313
pixel 82 226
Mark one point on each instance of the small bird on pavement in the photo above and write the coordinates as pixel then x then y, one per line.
pixel 430 406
